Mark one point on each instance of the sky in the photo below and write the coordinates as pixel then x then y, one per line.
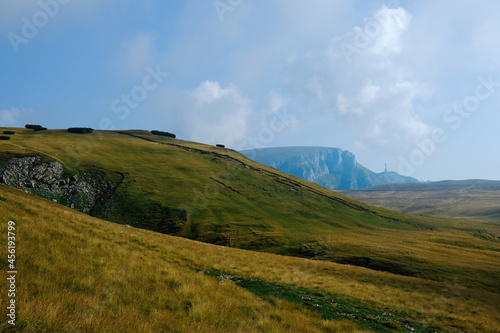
pixel 411 83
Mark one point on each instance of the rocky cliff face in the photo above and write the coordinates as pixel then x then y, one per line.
pixel 330 167
pixel 47 179
pixel 315 164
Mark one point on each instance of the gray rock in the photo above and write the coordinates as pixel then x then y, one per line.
pixel 44 179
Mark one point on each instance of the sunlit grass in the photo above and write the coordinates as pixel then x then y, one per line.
pixel 78 273
pixel 92 272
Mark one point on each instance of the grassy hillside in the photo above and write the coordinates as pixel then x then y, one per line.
pixel 466 199
pixel 77 273
pixel 218 196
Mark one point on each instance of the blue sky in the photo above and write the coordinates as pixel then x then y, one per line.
pixel 412 83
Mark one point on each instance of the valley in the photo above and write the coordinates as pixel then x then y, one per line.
pixel 467 199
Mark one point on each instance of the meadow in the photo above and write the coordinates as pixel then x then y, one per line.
pixel 78 273
pixel 286 255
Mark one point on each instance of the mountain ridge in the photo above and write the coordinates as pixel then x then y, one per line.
pixel 329 167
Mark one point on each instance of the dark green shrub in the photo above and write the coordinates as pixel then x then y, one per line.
pixel 35 127
pixel 170 135
pixel 9 132
pixel 80 130
pixel 4 137
pixel 220 146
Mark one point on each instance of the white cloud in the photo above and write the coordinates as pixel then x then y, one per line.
pixel 210 91
pixel 374 95
pixel 391 24
pixel 217 114
pixel 212 114
pixel 209 113
pixel 16 117
pixel 372 44
pixel 385 114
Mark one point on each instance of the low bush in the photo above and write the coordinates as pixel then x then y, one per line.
pixel 80 130
pixel 4 137
pixel 9 132
pixel 220 146
pixel 35 127
pixel 170 135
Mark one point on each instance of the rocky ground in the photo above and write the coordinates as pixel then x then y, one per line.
pixel 48 179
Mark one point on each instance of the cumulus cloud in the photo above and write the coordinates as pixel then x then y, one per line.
pixel 210 113
pixel 379 38
pixel 385 114
pixel 371 93
pixel 387 26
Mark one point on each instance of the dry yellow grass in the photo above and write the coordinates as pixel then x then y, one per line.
pixel 81 274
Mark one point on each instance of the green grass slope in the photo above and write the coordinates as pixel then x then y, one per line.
pixel 76 273
pixel 218 196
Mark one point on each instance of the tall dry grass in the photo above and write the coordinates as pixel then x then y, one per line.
pixel 78 273
pixel 81 274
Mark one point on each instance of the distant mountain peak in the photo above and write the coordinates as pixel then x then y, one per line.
pixel 332 168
